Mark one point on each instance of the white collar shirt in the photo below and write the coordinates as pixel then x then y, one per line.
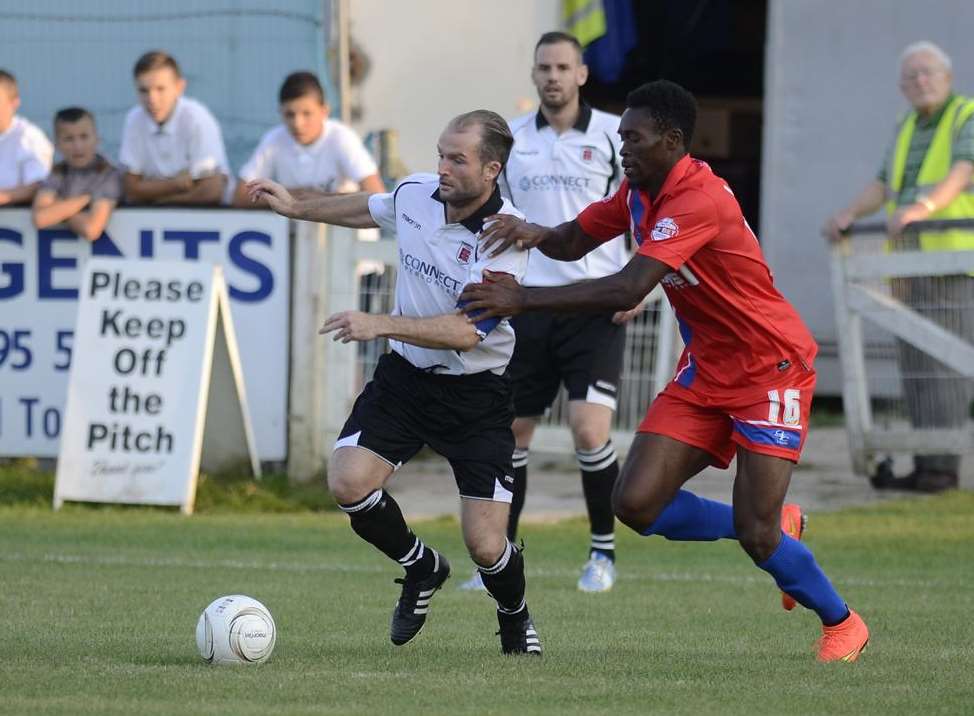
pixel 436 260
pixel 551 177
pixel 190 140
pixel 25 154
pixel 336 161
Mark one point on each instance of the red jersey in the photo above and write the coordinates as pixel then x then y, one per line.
pixel 738 329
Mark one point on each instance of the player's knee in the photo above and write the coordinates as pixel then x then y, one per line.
pixel 344 488
pixel 632 509
pixel 523 429
pixel 485 550
pixel 588 437
pixel 759 540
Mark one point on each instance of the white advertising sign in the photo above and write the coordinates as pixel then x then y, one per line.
pixel 40 272
pixel 156 361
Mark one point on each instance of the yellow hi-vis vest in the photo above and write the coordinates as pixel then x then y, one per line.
pixel 934 169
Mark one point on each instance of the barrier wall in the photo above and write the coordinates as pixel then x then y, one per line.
pixel 40 272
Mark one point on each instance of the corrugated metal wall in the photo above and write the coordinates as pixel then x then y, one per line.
pixel 234 54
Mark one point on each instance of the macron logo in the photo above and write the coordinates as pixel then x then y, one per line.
pixel 412 222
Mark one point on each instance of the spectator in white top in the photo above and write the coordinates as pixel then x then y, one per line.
pixel 25 153
pixel 172 148
pixel 309 150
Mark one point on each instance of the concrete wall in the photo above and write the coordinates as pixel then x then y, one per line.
pixel 433 59
pixel 831 103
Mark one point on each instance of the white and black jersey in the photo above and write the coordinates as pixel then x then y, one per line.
pixel 436 260
pixel 551 177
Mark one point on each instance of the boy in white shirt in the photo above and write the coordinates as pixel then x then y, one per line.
pixel 309 150
pixel 172 148
pixel 25 152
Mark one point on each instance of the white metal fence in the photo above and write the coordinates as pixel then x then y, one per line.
pixel 917 308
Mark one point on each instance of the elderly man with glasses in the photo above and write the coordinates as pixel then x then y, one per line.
pixel 927 174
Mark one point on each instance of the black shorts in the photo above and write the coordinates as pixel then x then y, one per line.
pixel 466 419
pixel 582 351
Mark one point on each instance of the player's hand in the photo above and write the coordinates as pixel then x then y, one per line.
pixel 498 295
pixel 837 224
pixel 502 231
pixel 622 317
pixel 351 326
pixel 277 197
pixel 906 215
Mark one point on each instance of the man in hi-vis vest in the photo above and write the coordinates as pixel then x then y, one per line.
pixel 927 174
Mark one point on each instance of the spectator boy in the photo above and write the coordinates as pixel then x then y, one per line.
pixel 309 150
pixel 83 189
pixel 172 147
pixel 25 153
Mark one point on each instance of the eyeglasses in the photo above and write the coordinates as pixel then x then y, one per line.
pixel 927 72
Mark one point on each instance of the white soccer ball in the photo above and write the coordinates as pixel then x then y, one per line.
pixel 235 629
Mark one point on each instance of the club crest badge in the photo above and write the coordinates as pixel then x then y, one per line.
pixel 464 253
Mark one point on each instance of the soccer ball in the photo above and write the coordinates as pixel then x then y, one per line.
pixel 235 629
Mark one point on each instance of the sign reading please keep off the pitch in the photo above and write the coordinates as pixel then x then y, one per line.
pixel 139 382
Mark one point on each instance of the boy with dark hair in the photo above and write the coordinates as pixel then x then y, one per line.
pixel 83 188
pixel 172 147
pixel 309 150
pixel 25 153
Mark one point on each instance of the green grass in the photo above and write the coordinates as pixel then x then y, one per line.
pixel 23 482
pixel 100 607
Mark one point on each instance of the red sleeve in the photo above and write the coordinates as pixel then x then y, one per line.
pixel 608 218
pixel 683 225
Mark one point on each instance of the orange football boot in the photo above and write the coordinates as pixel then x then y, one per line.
pixel 844 641
pixel 793 522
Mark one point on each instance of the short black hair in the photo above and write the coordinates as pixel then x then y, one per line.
pixel 670 106
pixel 70 115
pixel 300 84
pixel 155 60
pixel 496 139
pixel 556 36
pixel 10 82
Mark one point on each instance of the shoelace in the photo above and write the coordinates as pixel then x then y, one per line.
pixel 410 591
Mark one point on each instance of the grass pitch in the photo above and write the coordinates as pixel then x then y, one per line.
pixel 100 605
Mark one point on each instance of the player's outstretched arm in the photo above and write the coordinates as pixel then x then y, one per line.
pixel 453 331
pixel 351 210
pixel 503 296
pixel 565 242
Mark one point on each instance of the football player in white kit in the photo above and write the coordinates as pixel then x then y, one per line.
pixel 444 382
pixel 565 156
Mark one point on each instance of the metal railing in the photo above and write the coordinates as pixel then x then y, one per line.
pixel 920 304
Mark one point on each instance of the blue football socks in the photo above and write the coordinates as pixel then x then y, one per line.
pixel 689 518
pixel 796 572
